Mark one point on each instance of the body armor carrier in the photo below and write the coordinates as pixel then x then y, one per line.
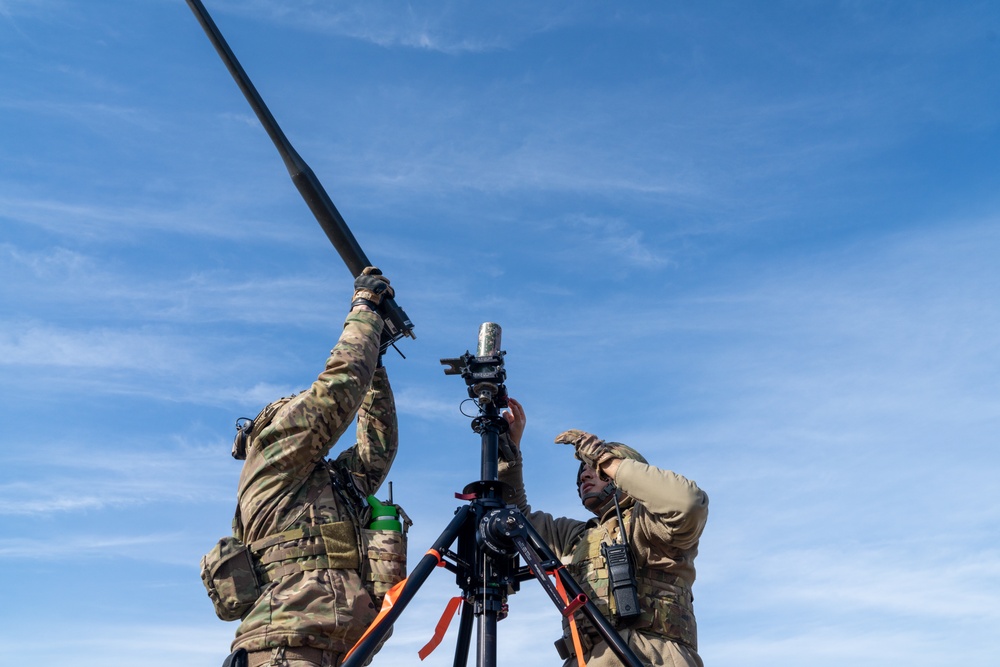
pixel 665 600
pixel 235 573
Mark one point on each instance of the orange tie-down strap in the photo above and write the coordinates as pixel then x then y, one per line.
pixel 387 604
pixel 571 616
pixel 455 603
pixel 450 611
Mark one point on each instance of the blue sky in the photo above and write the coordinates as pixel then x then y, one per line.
pixel 756 241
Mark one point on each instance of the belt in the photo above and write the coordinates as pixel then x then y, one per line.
pixel 281 655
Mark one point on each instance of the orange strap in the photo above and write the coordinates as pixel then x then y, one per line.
pixel 387 603
pixel 572 619
pixel 450 611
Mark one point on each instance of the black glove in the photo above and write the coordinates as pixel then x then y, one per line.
pixel 370 287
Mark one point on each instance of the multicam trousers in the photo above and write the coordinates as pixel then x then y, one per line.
pixel 298 656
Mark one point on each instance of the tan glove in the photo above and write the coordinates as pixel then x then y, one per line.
pixel 370 287
pixel 590 449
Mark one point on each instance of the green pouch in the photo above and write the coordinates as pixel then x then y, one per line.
pixel 230 577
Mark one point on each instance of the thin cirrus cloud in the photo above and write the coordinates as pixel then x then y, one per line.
pixel 101 348
pixel 72 279
pixel 109 477
pixel 92 220
pixel 958 586
pixel 449 28
pixel 81 546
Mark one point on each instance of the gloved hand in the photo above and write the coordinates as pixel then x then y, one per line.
pixel 370 287
pixel 589 448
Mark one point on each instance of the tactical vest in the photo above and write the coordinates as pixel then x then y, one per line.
pixel 235 573
pixel 665 600
pixel 287 552
pixel 379 556
pixel 282 554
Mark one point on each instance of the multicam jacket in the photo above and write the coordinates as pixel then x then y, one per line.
pixel 312 593
pixel 664 515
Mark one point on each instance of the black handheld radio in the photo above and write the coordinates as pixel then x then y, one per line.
pixel 621 572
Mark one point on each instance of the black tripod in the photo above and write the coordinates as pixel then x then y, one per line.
pixel 491 536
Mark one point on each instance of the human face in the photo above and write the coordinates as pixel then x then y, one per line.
pixel 591 486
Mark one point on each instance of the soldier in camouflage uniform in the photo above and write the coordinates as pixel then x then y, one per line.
pixel 663 515
pixel 304 532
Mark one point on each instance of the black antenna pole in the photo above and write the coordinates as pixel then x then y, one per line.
pixel 397 323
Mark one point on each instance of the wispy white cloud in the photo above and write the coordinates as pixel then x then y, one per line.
pixel 444 27
pixel 94 114
pixel 542 149
pixel 202 643
pixel 589 239
pixel 84 288
pixel 895 601
pixel 103 348
pixel 824 647
pixel 17 8
pixel 260 394
pixel 144 474
pixel 82 546
pixel 419 403
pixel 87 219
pixel 940 584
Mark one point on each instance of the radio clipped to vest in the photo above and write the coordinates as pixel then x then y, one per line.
pixel 621 573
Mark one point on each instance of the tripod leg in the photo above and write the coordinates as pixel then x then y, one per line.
pixel 363 650
pixel 589 609
pixel 494 573
pixel 464 636
pixel 487 656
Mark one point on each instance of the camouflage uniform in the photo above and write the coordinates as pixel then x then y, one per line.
pixel 313 599
pixel 664 515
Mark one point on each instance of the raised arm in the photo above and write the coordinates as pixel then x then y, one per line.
pixel 672 508
pixel 559 532
pixel 378 436
pixel 306 427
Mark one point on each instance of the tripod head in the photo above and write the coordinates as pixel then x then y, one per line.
pixel 484 375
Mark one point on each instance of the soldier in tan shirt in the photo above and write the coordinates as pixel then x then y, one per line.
pixel 663 515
